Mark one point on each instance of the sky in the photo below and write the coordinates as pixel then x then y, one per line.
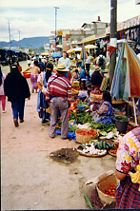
pixel 31 18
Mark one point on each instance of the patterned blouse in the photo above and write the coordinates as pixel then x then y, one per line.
pixel 128 154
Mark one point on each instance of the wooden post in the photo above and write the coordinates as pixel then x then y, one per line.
pixel 113 36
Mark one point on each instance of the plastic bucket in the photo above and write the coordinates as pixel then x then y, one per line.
pixel 121 126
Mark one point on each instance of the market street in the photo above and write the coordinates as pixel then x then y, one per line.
pixel 30 179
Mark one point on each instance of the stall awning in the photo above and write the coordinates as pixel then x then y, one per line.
pixel 92 38
pixel 72 50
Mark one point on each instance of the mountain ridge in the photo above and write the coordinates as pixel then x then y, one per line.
pixel 31 42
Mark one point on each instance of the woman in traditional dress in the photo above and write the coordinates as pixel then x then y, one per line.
pixel 35 70
pixel 104 113
pixel 128 170
pixel 42 104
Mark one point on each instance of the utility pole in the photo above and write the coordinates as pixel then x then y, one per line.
pixel 9 32
pixel 113 36
pixel 56 8
pixel 18 38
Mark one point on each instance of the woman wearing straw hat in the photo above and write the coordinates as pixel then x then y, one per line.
pixel 59 96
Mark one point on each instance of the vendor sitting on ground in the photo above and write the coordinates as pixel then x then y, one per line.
pixel 104 114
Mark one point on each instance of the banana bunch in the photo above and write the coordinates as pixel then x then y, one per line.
pixel 103 145
pixel 135 177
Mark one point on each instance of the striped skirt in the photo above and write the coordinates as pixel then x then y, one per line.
pixel 127 194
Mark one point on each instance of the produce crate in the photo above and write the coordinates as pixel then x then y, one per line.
pixel 82 139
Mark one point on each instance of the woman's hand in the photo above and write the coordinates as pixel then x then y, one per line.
pixel 39 85
pixel 120 175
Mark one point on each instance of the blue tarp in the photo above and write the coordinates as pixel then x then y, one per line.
pixel 56 55
pixel 71 135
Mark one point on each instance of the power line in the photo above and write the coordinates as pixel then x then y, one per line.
pixel 56 8
pixel 19 38
pixel 9 32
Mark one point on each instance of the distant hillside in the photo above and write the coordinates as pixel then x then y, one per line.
pixel 32 42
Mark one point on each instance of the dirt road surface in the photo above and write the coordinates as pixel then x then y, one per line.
pixel 30 180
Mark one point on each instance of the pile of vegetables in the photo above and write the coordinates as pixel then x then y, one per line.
pixel 72 128
pixel 83 117
pixel 91 150
pixel 85 132
pixel 113 151
pixel 111 191
pixel 103 127
pixel 103 145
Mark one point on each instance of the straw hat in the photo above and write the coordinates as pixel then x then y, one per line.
pixel 62 68
pixel 73 65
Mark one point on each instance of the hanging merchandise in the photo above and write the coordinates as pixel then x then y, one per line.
pixel 126 79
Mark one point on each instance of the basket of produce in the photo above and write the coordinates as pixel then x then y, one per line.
pixel 89 150
pixel 75 84
pixel 118 101
pixel 92 198
pixel 106 188
pixel 75 91
pixel 112 152
pixel 95 97
pixel 85 135
pixel 26 74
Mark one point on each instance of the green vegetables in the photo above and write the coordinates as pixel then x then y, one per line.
pixel 72 116
pixel 72 128
pixel 103 127
pixel 81 103
pixel 103 145
pixel 84 117
pixel 103 133
pixel 87 200
pixel 121 118
pixel 81 117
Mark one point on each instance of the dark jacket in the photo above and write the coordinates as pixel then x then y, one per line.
pixel 96 78
pixel 16 86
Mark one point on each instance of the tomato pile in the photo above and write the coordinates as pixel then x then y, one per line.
pixel 113 151
pixel 111 191
pixel 83 132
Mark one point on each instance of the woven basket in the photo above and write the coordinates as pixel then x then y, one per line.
pixel 75 92
pixel 82 139
pixel 104 184
pixel 75 84
pixel 26 74
pixel 95 97
pixel 114 102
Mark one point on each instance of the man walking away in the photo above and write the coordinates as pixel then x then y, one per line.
pixel 59 96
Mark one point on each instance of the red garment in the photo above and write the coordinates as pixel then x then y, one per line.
pixel 69 75
pixel 20 68
pixel 58 86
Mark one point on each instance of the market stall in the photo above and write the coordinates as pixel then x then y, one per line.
pixel 126 80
